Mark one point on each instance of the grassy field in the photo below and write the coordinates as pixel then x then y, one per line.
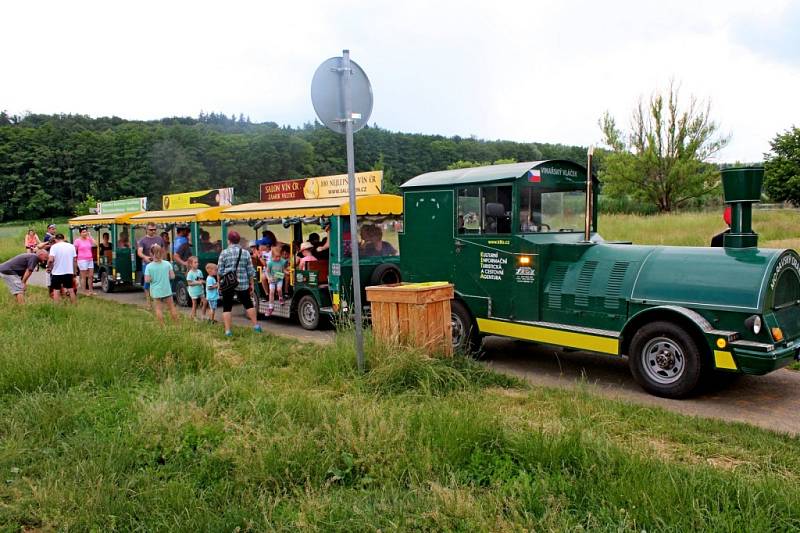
pixel 778 228
pixel 108 422
pixel 12 235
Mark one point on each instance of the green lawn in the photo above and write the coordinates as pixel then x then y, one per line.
pixel 108 422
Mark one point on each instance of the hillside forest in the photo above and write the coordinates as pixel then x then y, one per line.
pixel 50 164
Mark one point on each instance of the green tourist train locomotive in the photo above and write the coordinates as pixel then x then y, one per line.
pixel 521 245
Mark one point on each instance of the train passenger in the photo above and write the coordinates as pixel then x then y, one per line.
pixel 105 246
pixel 373 244
pixel 205 242
pixel 323 250
pixel 268 239
pixel 307 250
pixel 276 265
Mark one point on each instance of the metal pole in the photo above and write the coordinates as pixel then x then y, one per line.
pixel 588 223
pixel 351 181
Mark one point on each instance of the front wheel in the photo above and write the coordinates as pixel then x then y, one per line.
pixel 308 312
pixel 464 331
pixel 665 360
pixel 106 284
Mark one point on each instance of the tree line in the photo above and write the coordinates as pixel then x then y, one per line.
pixel 49 164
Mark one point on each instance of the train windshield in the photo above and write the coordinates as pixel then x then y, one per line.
pixel 542 210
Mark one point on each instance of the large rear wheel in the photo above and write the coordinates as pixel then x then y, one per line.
pixel 665 360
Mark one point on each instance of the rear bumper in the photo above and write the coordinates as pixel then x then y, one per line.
pixel 758 362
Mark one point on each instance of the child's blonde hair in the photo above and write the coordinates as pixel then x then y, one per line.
pixel 157 252
pixel 210 267
pixel 193 258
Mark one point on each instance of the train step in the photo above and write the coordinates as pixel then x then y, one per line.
pixel 281 310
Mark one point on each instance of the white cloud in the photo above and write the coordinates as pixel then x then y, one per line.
pixel 528 70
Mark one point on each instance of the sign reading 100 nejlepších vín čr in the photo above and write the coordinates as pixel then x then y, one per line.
pixel 321 187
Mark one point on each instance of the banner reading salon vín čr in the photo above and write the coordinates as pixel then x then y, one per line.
pixel 321 187
pixel 117 207
pixel 207 198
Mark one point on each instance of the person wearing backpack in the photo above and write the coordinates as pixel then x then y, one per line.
pixel 235 277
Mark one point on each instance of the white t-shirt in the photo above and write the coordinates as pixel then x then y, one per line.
pixel 63 254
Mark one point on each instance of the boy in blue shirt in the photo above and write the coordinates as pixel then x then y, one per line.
pixel 212 290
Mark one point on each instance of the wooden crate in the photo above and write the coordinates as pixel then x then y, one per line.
pixel 415 314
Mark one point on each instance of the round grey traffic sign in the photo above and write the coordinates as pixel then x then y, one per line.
pixel 327 95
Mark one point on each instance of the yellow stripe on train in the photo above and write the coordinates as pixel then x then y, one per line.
pixel 558 337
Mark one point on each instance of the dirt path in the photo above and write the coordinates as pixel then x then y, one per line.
pixel 771 401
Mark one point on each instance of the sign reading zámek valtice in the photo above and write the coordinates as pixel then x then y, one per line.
pixel 321 187
pixel 207 198
pixel 128 205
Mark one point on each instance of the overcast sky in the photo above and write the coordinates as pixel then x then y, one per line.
pixel 530 70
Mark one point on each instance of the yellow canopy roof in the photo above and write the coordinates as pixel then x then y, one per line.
pixel 194 214
pixel 375 204
pixel 88 220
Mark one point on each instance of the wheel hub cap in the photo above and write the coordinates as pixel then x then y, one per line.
pixel 457 329
pixel 663 360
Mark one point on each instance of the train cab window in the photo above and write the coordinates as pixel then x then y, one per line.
pixel 542 210
pixel 469 211
pixel 484 210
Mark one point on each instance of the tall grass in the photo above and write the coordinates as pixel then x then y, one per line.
pixel 696 229
pixel 178 429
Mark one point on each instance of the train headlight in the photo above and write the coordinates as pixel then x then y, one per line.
pixel 753 324
pixel 524 260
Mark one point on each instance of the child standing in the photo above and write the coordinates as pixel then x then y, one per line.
pixel 158 273
pixel 212 290
pixel 286 252
pixel 195 283
pixel 275 271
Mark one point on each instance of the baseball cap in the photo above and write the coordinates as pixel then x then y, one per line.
pixel 51 226
pixel 306 246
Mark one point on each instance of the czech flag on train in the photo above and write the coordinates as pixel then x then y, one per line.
pixel 535 176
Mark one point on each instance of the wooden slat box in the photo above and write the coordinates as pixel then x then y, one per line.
pixel 415 314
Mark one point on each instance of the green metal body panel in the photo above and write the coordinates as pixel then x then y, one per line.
pixel 334 295
pixel 555 281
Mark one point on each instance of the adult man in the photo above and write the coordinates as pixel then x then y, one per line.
pixel 181 238
pixel 234 259
pixel 16 271
pixel 62 264
pixel 323 252
pixel 143 252
pixel 374 245
pixel 182 247
pixel 49 235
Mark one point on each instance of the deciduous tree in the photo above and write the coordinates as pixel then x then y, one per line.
pixel 664 158
pixel 782 167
